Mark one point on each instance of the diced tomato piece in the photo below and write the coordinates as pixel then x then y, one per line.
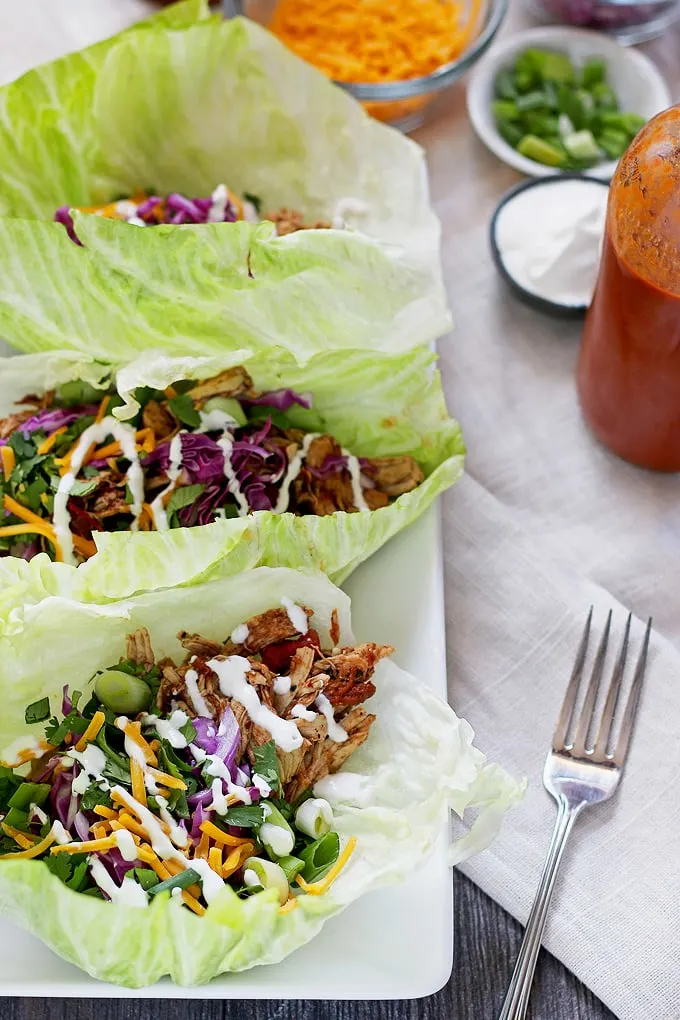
pixel 277 657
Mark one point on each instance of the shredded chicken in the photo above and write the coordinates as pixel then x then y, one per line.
pixel 157 417
pixel 12 422
pixel 289 221
pixel 233 382
pixel 393 475
pixel 139 648
pixel 344 676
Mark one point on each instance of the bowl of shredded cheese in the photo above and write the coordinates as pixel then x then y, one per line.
pixel 392 57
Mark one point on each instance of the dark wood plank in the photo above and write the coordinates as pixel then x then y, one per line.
pixel 487 941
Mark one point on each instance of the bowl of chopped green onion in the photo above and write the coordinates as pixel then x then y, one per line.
pixel 562 99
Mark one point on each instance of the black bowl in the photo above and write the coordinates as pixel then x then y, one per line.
pixel 539 303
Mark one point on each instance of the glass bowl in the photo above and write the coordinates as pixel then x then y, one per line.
pixel 401 103
pixel 627 21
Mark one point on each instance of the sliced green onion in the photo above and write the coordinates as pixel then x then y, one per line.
pixel 180 881
pixel 291 867
pixel 258 871
pixel 29 793
pixel 320 856
pixel 314 818
pixel 147 878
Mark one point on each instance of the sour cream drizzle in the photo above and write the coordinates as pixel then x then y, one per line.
pixel 129 894
pixel 294 469
pixel 354 469
pixel 198 702
pixel 296 615
pixel 335 731
pixel 231 673
pixel 96 433
pixel 174 470
pixel 226 444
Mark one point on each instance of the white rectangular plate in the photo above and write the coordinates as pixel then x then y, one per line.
pixel 396 943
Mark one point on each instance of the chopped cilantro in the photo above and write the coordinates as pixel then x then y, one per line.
pixel 245 816
pixel 37 711
pixel 182 406
pixel 8 784
pixel 184 496
pixel 55 731
pixel 81 875
pixel 24 449
pixel 266 764
pixel 188 731
pixel 94 796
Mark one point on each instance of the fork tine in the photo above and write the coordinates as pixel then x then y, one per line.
pixel 578 748
pixel 567 710
pixel 609 710
pixel 633 702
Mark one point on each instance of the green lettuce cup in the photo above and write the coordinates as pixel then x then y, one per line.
pixel 186 103
pixel 373 406
pixel 391 799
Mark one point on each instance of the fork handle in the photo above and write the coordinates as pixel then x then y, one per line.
pixel 517 998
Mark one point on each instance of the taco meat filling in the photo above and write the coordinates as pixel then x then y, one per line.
pixel 184 777
pixel 193 453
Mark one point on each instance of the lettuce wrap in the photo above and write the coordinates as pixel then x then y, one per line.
pixel 417 764
pixel 166 107
pixel 374 406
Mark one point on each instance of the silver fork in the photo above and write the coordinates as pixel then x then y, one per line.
pixel 578 774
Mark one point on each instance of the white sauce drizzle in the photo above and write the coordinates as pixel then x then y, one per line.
pixel 282 685
pixel 169 729
pixel 231 673
pixel 150 784
pixel 354 469
pixel 215 420
pixel 35 812
pixel 129 894
pixel 293 471
pixel 125 436
pixel 261 784
pixel 345 787
pixel 300 712
pixel 219 801
pixel 132 749
pixel 335 731
pixel 198 753
pixel 198 702
pixel 93 762
pixel 177 834
pixel 296 615
pixel 126 844
pixel 280 840
pixel 12 755
pixel 60 833
pixel 217 767
pixel 226 443
pixel 347 207
pixel 174 471
pixel 239 635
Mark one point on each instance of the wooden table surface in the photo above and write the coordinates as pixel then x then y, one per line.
pixel 466 183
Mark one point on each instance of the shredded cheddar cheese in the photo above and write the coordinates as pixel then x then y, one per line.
pixel 203 847
pixel 102 409
pixel 24 839
pixel 133 731
pixel 99 830
pixel 290 905
pixel 34 525
pixel 171 782
pixel 94 726
pixel 232 863
pixel 192 903
pixel 210 830
pixel 137 778
pixel 375 40
pixel 317 888
pixel 49 442
pixel 103 811
pixel 33 851
pixel 215 859
pixel 89 846
pixel 8 461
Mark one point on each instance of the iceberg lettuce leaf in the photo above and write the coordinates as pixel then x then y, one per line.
pixel 418 764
